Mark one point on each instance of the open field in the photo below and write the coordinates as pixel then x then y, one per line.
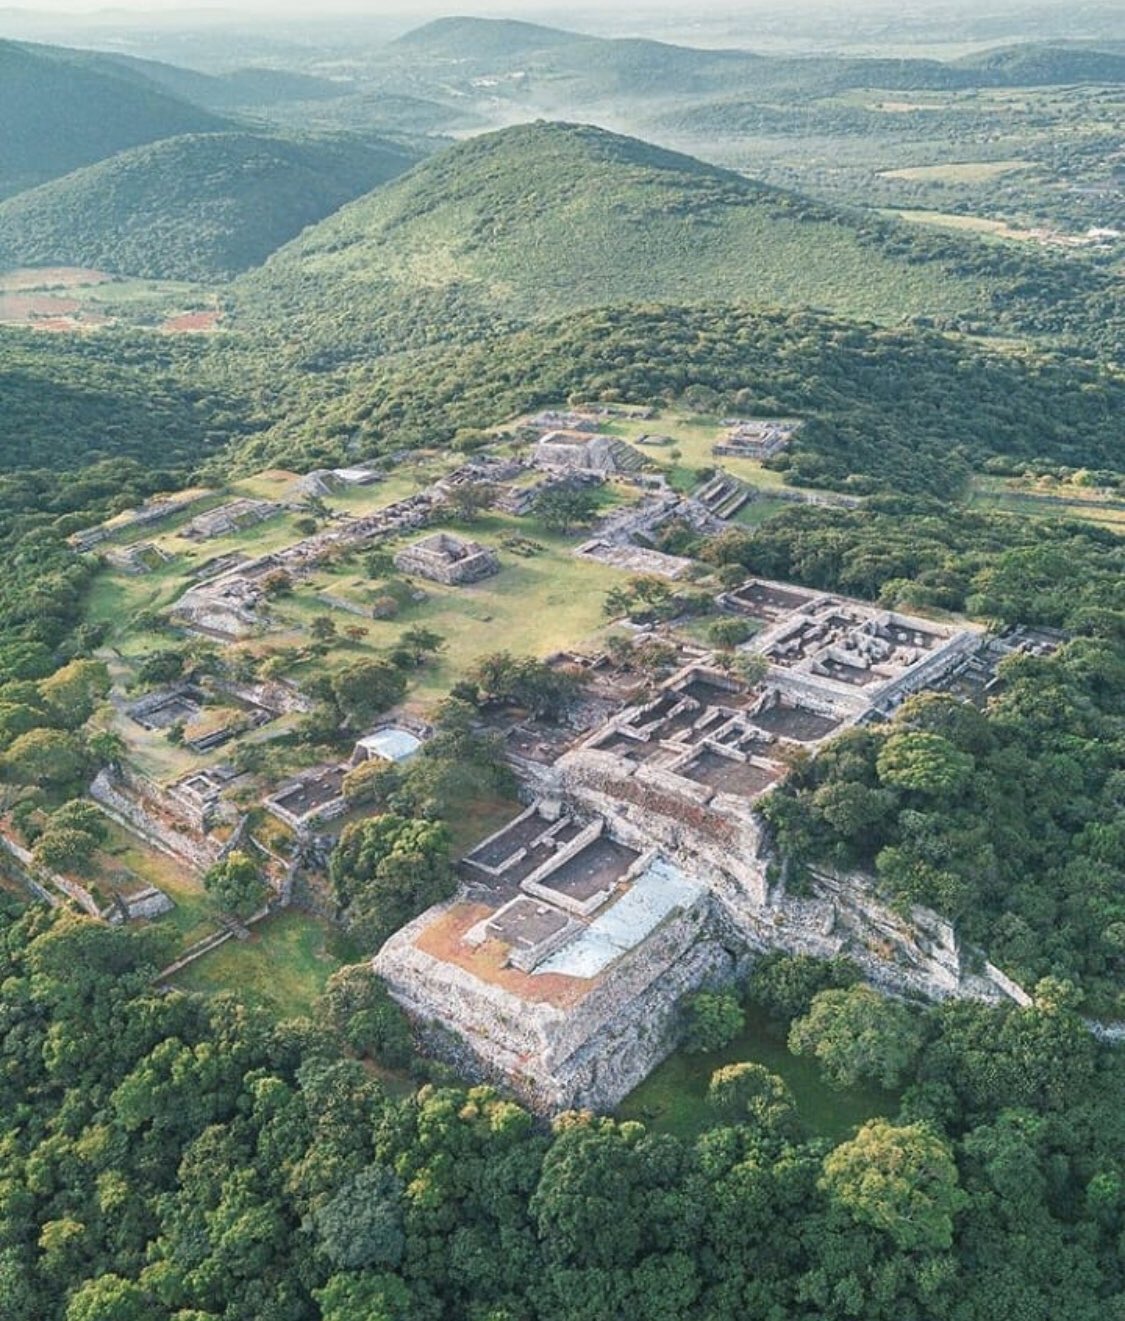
pixel 958 172
pixel 536 605
pixel 695 436
pixel 973 224
pixel 281 968
pixel 73 297
pixel 673 1097
pixel 1057 501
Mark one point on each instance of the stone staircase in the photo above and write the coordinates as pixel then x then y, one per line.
pixel 626 459
pixel 724 495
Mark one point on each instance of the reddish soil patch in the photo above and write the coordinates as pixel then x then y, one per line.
pixel 188 323
pixel 53 277
pixel 26 307
pixel 444 940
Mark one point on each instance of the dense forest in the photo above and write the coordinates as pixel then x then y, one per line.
pixel 526 223
pixel 168 1156
pixel 200 207
pixel 906 410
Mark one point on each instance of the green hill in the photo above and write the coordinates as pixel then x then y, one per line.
pixel 540 219
pixel 198 207
pixel 551 68
pixel 60 112
pixel 552 65
pixel 461 38
pixel 1032 65
pixel 222 92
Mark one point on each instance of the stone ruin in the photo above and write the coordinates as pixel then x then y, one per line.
pixel 156 510
pixel 227 519
pixel 642 870
pixel 445 558
pixel 550 420
pixel 561 961
pixel 755 438
pixel 186 704
pixel 138 559
pixel 846 651
pixel 579 451
pixel 311 797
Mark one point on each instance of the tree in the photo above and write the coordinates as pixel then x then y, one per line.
pixel 729 631
pixel 65 849
pixel 421 642
pixel 17 718
pixel 503 679
pixel 468 500
pixel 714 1019
pixel 73 692
pixel 278 582
pixel 236 884
pixel 362 1225
pixel 46 757
pixel 563 507
pixel 106 747
pixel 347 1297
pixel 110 1298
pixel 379 563
pixel 322 629
pixel 786 984
pixel 750 667
pixel 81 814
pixel 158 667
pixel 366 688
pixel 372 781
pixel 902 1181
pixel 923 763
pixel 386 870
pixel 741 1093
pixel 358 1005
pixel 858 1035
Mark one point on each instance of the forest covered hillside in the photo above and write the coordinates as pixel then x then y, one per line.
pixel 61 111
pixel 196 207
pixel 544 218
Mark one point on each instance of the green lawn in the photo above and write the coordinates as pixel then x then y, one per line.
pixel 281 968
pixel 195 915
pixel 673 1097
pixel 695 436
pixel 533 606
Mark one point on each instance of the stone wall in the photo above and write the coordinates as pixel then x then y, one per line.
pixel 592 1054
pixel 129 803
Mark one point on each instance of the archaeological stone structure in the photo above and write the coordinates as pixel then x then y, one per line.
pixel 445 558
pixel 642 870
pixel 755 438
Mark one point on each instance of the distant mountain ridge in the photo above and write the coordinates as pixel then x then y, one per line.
pixel 640 65
pixel 60 111
pixel 194 207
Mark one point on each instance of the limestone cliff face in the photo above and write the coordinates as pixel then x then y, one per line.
pixel 592 1053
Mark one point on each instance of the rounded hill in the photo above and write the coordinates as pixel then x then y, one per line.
pixel 196 207
pixel 543 218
